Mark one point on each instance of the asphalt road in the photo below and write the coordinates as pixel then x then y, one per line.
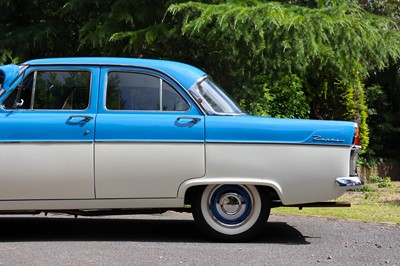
pixel 173 239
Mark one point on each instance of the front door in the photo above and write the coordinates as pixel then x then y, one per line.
pixel 47 134
pixel 149 136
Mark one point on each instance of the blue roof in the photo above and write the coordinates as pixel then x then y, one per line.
pixel 184 74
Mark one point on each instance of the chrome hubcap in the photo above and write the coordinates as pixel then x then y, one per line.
pixel 231 205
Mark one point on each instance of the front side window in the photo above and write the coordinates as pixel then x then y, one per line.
pixel 51 90
pixel 142 92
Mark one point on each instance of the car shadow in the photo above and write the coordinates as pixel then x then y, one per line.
pixel 36 229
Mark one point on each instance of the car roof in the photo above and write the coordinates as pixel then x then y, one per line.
pixel 184 74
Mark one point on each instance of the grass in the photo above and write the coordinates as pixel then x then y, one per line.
pixel 375 203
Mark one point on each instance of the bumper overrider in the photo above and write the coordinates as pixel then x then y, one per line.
pixel 351 182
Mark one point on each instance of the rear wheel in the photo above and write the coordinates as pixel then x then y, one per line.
pixel 231 212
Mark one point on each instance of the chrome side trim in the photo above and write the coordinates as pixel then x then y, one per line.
pixel 351 182
pixel 356 148
pixel 353 159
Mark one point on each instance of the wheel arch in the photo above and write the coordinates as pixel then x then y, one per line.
pixel 189 188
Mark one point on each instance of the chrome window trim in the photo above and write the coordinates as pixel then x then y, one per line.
pixel 203 103
pixel 33 90
pixel 161 93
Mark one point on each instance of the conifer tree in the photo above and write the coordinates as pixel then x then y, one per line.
pixel 329 45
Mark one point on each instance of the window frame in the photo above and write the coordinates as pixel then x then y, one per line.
pixel 34 70
pixel 161 82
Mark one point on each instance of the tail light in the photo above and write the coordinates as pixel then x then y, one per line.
pixel 355 149
pixel 356 139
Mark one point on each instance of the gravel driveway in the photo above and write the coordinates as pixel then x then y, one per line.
pixel 173 239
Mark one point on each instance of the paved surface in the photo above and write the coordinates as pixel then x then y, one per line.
pixel 173 239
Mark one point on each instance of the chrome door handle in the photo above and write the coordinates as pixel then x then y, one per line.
pixel 195 120
pixel 86 118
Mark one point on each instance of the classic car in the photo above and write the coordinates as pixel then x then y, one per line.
pixel 99 136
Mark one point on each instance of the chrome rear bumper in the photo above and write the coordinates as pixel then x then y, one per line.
pixel 351 182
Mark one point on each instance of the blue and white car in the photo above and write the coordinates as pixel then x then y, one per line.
pixel 90 136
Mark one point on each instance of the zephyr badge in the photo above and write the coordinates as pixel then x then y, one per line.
pixel 319 138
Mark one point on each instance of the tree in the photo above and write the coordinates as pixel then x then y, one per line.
pixel 121 27
pixel 383 95
pixel 330 47
pixel 6 57
pixel 34 29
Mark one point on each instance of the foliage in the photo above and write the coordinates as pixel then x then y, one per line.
pixel 6 57
pixel 382 182
pixel 367 188
pixel 291 38
pixel 385 182
pixel 41 28
pixel 32 29
pixel 388 8
pixel 330 48
pixel 383 95
pixel 280 97
pixel 376 179
pixel 121 27
pixel 383 99
pixel 343 100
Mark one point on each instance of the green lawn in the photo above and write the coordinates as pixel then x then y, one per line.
pixel 373 204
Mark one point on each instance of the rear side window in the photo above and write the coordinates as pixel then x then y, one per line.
pixel 51 90
pixel 142 92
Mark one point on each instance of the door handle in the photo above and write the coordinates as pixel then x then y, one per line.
pixel 85 118
pixel 195 120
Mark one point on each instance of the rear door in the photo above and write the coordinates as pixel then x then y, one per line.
pixel 47 134
pixel 149 136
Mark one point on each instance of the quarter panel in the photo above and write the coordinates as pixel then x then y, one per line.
pixel 252 129
pixel 305 173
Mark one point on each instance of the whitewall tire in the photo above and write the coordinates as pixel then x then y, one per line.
pixel 231 212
